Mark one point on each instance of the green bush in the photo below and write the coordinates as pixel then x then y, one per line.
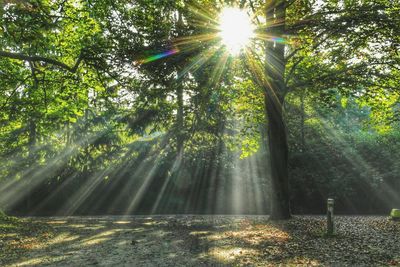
pixel 395 214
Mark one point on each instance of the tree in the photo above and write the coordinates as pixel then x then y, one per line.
pixel 275 92
pixel 114 91
pixel 332 46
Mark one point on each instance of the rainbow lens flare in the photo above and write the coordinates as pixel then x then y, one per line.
pixel 158 56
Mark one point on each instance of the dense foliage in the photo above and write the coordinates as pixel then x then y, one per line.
pixel 134 107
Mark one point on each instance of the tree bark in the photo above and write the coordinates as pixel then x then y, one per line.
pixel 32 137
pixel 274 99
pixel 179 94
pixel 179 121
pixel 302 122
pixel 278 150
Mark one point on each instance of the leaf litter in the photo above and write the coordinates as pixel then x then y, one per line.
pixel 196 240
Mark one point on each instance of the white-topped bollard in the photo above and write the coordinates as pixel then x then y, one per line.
pixel 329 224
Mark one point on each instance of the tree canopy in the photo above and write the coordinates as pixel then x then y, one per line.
pixel 138 107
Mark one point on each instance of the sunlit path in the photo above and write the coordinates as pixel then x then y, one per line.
pixel 186 240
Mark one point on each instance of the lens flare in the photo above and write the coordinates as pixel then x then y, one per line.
pixel 236 29
pixel 278 40
pixel 158 56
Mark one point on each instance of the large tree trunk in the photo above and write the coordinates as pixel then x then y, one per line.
pixel 179 93
pixel 179 122
pixel 32 138
pixel 274 98
pixel 302 121
pixel 278 150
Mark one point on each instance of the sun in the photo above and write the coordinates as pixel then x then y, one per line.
pixel 235 29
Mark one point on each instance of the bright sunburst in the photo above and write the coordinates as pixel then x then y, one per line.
pixel 236 29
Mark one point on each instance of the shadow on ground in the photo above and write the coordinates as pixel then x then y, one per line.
pixel 204 241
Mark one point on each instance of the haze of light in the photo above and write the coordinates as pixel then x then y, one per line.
pixel 236 29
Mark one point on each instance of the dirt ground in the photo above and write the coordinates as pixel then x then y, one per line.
pixel 200 241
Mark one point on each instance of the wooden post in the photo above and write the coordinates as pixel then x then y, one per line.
pixel 330 204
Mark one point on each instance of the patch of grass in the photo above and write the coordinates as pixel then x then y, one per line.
pixel 8 222
pixel 7 226
pixel 5 217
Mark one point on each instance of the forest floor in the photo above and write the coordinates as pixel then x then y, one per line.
pixel 182 240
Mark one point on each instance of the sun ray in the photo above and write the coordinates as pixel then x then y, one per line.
pixel 199 61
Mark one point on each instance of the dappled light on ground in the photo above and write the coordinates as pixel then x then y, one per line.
pixel 230 254
pixel 199 241
pixel 254 235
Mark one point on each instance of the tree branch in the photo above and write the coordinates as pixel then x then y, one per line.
pixel 335 74
pixel 14 91
pixel 51 61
